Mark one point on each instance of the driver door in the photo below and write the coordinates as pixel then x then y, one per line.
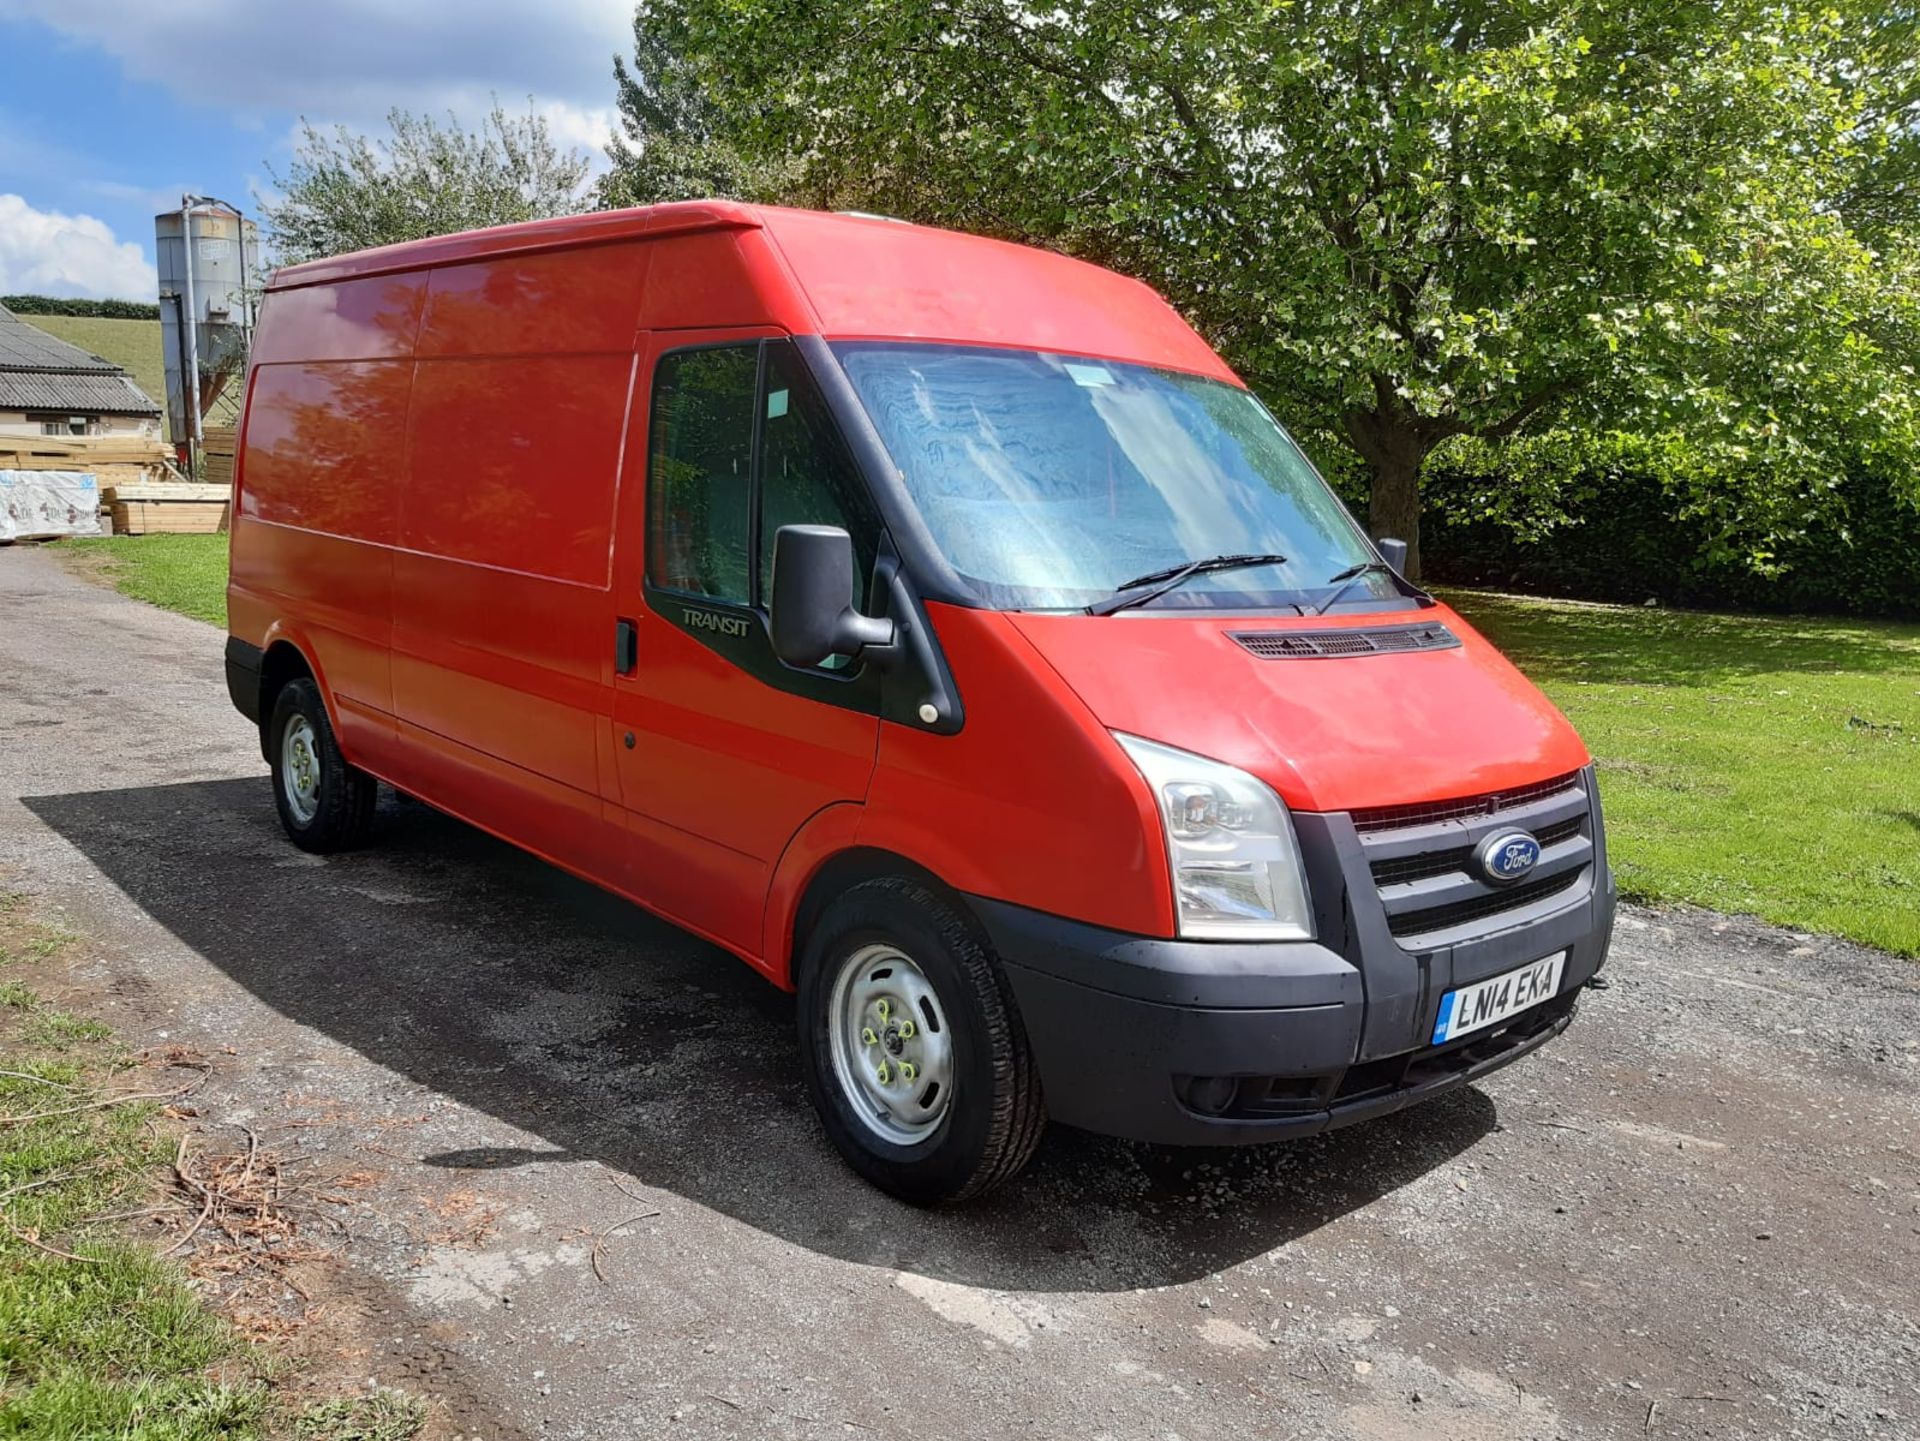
pixel 722 751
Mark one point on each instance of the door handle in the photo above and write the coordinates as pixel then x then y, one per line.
pixel 626 646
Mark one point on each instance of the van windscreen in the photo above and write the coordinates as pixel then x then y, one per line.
pixel 1050 480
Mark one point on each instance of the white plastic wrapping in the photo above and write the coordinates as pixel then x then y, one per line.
pixel 45 504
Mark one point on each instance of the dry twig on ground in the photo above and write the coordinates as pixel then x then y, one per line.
pixel 600 1241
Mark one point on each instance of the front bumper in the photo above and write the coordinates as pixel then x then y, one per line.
pixel 1211 1043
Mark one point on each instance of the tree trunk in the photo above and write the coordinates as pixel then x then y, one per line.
pixel 1393 503
pixel 1394 443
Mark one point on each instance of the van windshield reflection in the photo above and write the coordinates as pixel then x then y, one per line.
pixel 1050 481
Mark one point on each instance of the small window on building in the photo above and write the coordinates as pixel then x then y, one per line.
pixel 700 472
pixel 68 424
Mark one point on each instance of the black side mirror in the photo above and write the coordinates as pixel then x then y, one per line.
pixel 1394 553
pixel 813 615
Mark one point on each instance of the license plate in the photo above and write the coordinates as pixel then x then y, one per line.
pixel 1487 1003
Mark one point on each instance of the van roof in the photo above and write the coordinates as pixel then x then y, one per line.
pixel 863 277
pixel 562 232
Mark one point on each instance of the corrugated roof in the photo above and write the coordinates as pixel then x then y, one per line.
pixel 39 371
pixel 97 394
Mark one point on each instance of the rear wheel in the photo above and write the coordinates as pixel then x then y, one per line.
pixel 324 803
pixel 913 1049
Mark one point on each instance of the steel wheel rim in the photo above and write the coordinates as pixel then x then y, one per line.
pixel 892 1047
pixel 300 770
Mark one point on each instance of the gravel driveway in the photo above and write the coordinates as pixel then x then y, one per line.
pixel 1697 1214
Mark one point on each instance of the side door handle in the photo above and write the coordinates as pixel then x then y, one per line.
pixel 626 646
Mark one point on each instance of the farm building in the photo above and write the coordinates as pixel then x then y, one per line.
pixel 51 388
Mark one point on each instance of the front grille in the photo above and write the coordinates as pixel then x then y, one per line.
pixel 1401 869
pixel 1343 641
pixel 1420 858
pixel 1383 818
pixel 1460 913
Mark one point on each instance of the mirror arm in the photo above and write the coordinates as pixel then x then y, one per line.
pixel 868 638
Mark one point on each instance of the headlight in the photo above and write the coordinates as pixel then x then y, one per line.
pixel 1236 864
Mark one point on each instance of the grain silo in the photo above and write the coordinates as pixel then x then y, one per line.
pixel 208 255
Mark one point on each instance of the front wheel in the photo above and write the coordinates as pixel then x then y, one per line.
pixel 324 803
pixel 913 1049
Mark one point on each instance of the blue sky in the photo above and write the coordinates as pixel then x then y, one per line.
pixel 113 107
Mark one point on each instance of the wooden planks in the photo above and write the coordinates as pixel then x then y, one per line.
pixel 169 517
pixel 141 491
pixel 79 452
pixel 113 459
pixel 216 455
pixel 146 508
pixel 184 490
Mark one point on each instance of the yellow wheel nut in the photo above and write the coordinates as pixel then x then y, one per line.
pixel 885 1073
pixel 884 1007
pixel 867 1037
pixel 908 1071
pixel 906 1030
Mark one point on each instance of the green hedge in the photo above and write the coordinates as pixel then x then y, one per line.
pixel 99 309
pixel 1629 540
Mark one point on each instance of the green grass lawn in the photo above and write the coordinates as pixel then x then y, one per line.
pixel 100 1334
pixel 1748 763
pixel 187 573
pixel 133 345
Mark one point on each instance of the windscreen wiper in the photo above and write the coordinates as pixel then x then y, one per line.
pixel 1143 588
pixel 1352 573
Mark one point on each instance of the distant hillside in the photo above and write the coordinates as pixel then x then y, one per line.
pixel 131 344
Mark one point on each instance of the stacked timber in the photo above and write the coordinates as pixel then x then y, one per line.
pixel 112 459
pixel 154 508
pixel 216 455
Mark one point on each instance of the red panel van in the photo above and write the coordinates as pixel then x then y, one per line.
pixel 934 623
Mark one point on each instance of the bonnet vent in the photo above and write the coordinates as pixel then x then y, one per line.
pixel 1320 644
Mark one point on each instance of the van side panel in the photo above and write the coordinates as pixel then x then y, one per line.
pixel 318 491
pixel 503 634
pixel 562 302
pixel 513 463
pixel 373 319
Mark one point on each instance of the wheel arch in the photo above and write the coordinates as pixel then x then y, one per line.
pixel 283 661
pixel 832 873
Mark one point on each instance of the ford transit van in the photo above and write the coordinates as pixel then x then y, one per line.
pixel 939 626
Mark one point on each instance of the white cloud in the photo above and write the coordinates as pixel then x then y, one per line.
pixel 588 129
pixel 43 252
pixel 353 60
pixel 144 197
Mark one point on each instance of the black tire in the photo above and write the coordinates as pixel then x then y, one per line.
pixel 343 796
pixel 994 1115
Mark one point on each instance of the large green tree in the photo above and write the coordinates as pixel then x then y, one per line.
pixel 1410 223
pixel 346 191
pixel 674 142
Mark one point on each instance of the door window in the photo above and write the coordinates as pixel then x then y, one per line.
pixel 700 472
pixel 711 534
pixel 806 475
